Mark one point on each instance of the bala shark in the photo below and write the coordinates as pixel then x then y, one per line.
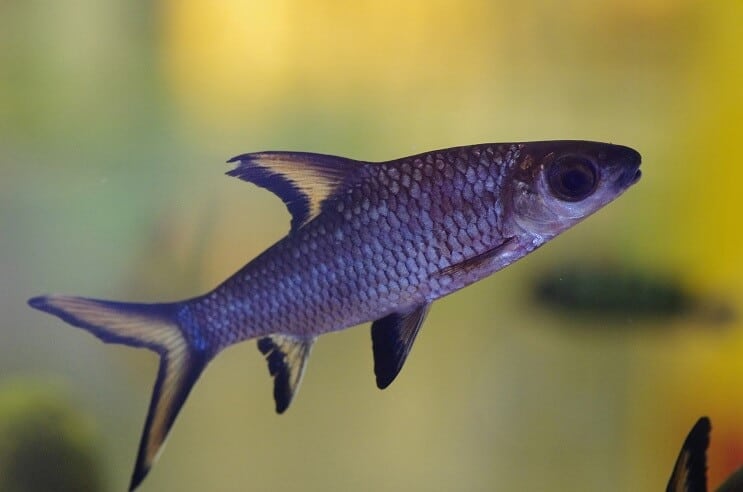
pixel 368 242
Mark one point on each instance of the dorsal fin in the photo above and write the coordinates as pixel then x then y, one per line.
pixel 301 179
pixel 690 471
pixel 392 339
pixel 287 358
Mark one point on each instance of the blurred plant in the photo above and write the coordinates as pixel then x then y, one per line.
pixel 616 291
pixel 45 444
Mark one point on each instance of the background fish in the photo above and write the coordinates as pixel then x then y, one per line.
pixel 368 242
pixel 617 291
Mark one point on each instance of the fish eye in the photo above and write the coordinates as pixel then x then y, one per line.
pixel 572 178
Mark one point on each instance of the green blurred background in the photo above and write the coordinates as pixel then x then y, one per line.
pixel 116 118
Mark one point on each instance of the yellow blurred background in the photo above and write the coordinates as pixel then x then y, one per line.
pixel 116 118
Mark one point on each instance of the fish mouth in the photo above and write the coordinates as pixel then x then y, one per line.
pixel 635 178
pixel 631 173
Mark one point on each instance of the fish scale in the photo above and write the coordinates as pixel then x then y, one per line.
pixel 368 242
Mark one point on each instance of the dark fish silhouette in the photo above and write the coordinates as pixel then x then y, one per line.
pixel 615 291
pixel 368 242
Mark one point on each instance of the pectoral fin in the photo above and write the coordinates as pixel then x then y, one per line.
pixel 301 179
pixel 392 339
pixel 287 358
pixel 477 261
pixel 690 471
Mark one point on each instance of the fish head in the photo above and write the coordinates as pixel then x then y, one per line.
pixel 554 185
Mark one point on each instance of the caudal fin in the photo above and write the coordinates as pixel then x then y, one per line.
pixel 152 326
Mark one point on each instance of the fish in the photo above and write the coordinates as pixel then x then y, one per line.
pixel 619 291
pixel 368 241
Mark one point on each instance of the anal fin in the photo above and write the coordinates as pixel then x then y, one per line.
pixel 392 339
pixel 287 358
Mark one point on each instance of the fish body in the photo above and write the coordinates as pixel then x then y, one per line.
pixel 368 242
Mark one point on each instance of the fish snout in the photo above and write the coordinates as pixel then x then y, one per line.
pixel 630 165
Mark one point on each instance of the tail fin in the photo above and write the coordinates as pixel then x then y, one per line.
pixel 152 326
